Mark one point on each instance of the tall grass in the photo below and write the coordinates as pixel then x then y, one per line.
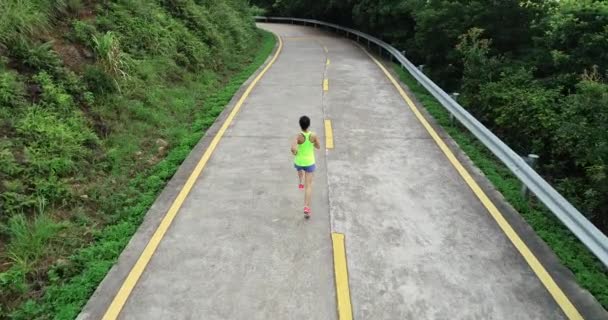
pixel 28 18
pixel 29 240
pixel 112 60
pixel 22 18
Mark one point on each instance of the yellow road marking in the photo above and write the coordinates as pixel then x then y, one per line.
pixel 326 85
pixel 327 62
pixel 345 311
pixel 329 135
pixel 125 290
pixel 540 271
pixel 325 49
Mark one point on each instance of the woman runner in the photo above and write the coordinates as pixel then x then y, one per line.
pixel 303 148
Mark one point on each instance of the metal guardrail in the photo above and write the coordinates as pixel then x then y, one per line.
pixel 584 230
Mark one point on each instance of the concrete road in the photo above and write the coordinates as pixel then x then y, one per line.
pixel 240 248
pixel 419 243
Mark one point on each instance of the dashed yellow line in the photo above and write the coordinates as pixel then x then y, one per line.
pixel 329 135
pixel 540 271
pixel 345 311
pixel 327 62
pixel 325 84
pixel 125 290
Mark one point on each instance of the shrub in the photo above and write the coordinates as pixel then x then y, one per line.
pixel 11 90
pixel 257 11
pixel 83 32
pixel 42 57
pixel 98 81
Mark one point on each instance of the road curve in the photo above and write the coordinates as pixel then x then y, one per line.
pixel 419 244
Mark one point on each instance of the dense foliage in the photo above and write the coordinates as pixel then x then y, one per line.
pixel 99 103
pixel 533 71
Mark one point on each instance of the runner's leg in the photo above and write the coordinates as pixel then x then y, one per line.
pixel 308 188
pixel 301 178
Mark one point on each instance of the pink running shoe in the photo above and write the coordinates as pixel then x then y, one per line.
pixel 307 212
pixel 301 186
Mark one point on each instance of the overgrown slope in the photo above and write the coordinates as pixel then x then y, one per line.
pixel 100 101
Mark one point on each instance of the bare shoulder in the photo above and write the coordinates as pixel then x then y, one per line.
pixel 301 138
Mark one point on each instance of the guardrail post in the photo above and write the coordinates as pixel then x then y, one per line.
pixel 421 68
pixel 455 97
pixel 531 160
pixel 401 64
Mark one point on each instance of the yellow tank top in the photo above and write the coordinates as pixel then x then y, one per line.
pixel 306 152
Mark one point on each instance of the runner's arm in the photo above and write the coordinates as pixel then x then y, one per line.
pixel 299 139
pixel 294 146
pixel 316 141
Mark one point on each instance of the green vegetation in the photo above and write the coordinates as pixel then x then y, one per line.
pixel 535 72
pixel 100 102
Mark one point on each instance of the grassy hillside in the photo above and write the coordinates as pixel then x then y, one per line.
pixel 100 101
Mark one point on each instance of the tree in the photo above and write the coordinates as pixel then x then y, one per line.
pixel 575 39
pixel 582 139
